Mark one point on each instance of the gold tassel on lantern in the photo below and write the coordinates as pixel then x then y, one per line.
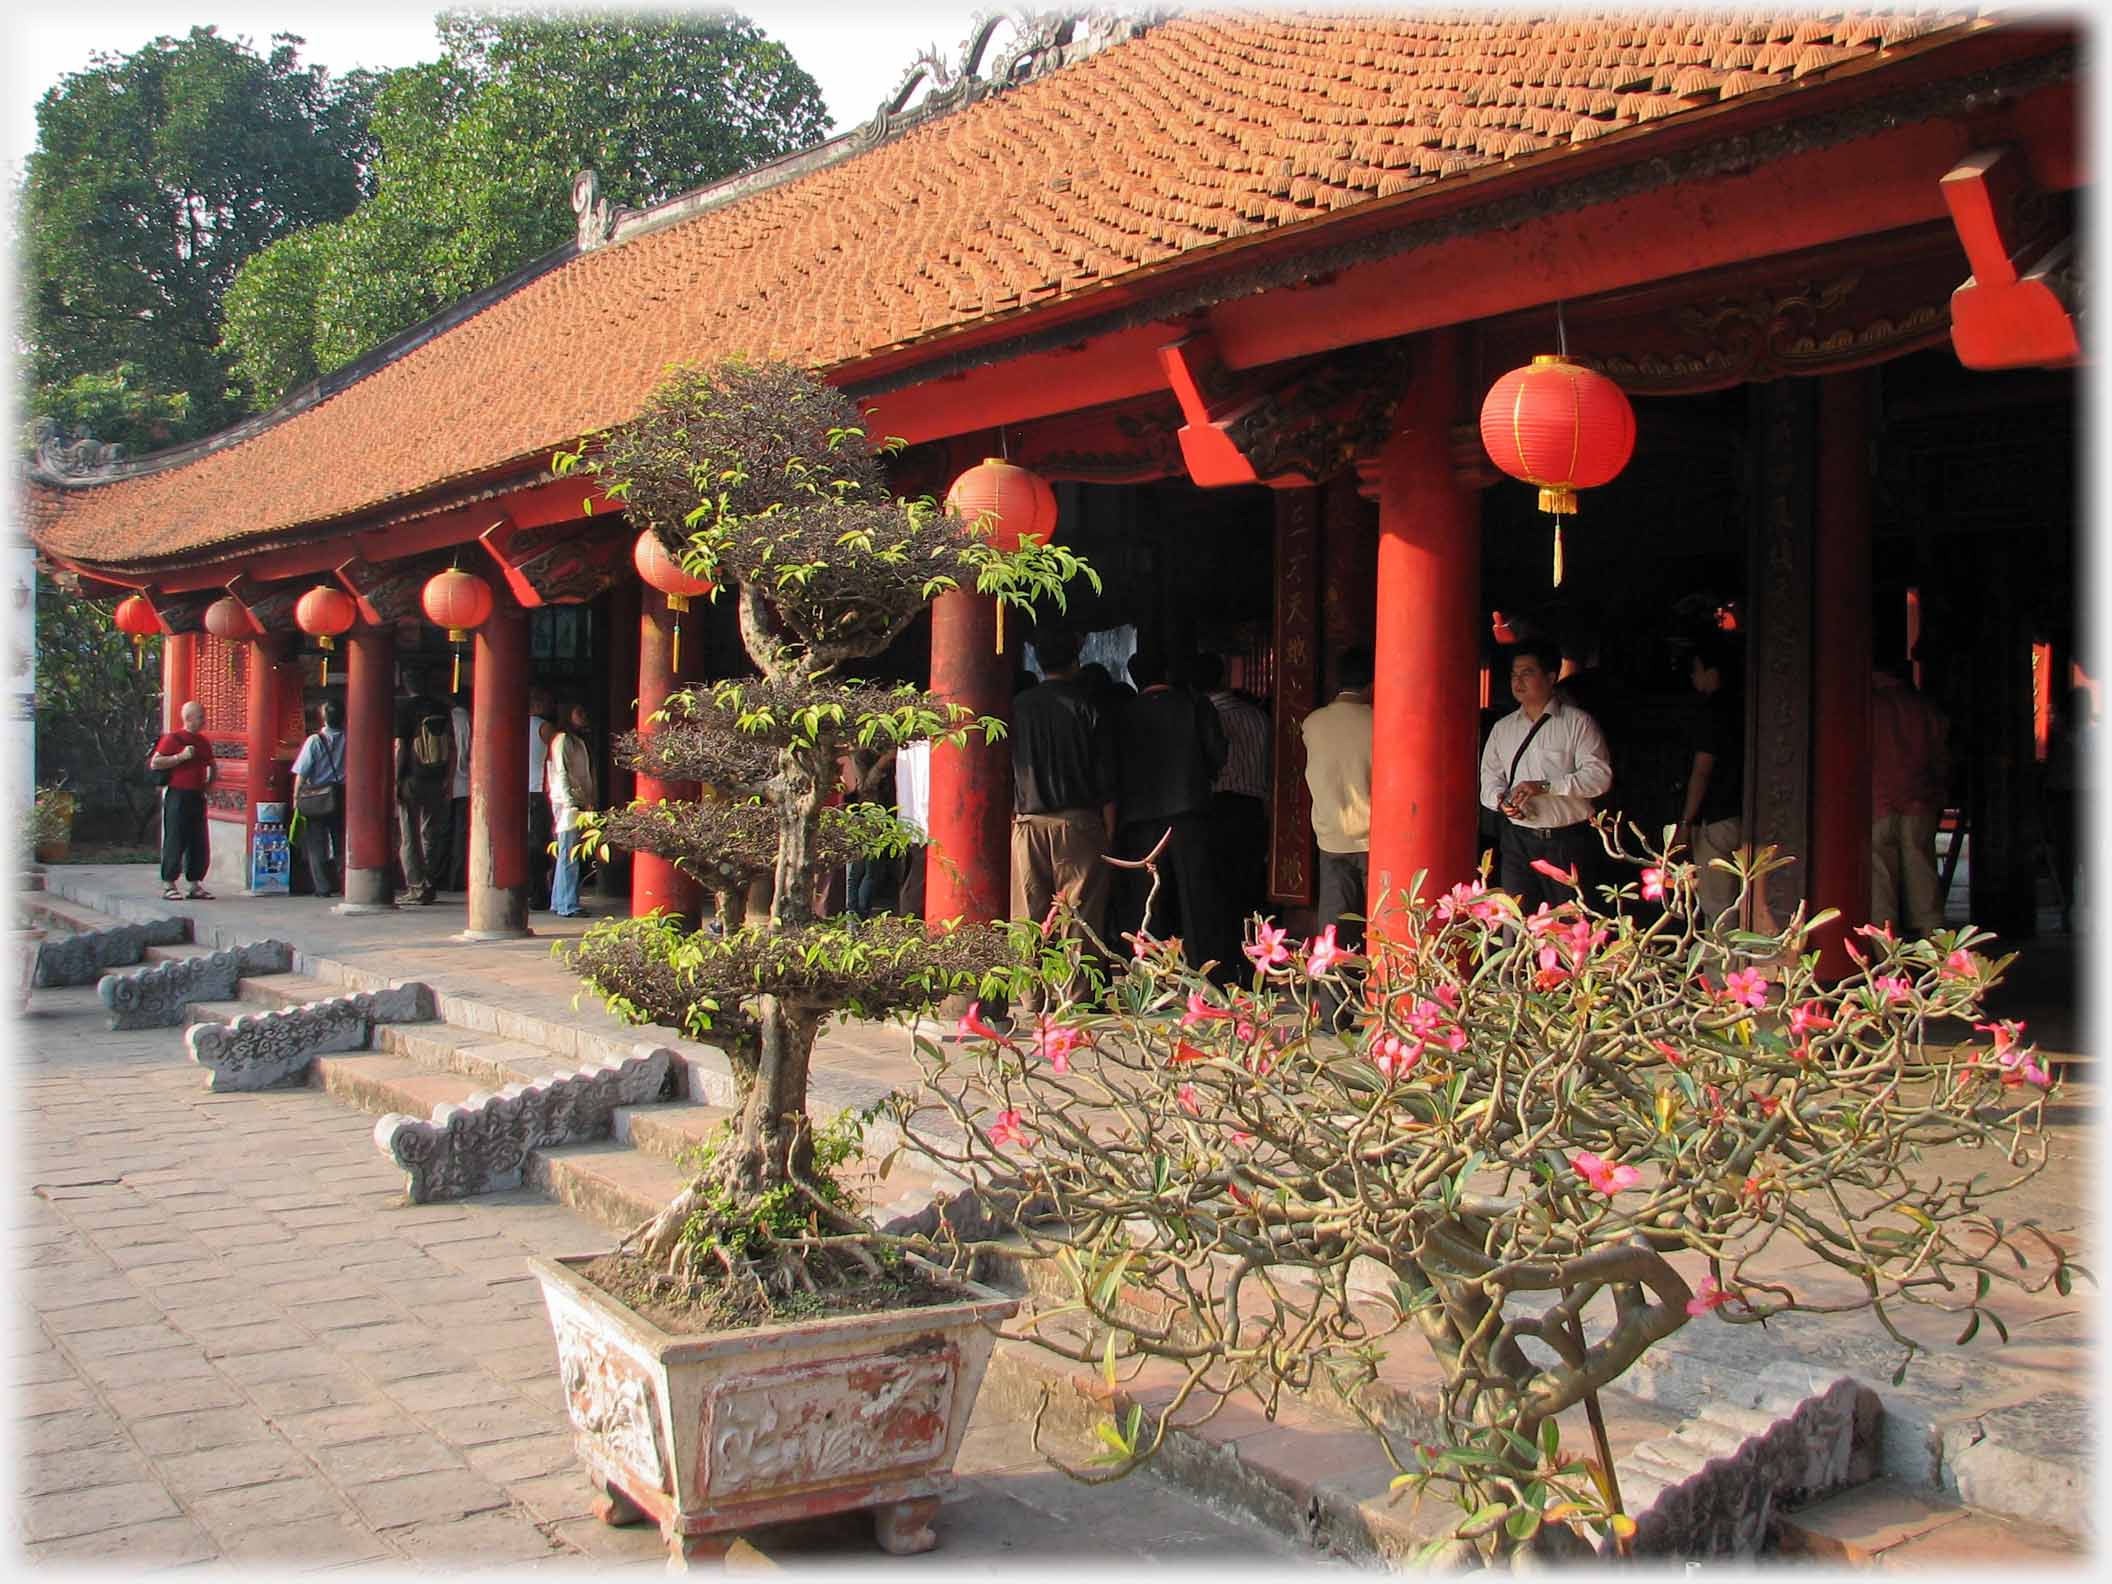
pixel 676 605
pixel 455 635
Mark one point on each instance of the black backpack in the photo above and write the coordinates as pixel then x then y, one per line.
pixel 429 749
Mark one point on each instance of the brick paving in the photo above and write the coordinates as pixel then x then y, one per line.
pixel 234 1342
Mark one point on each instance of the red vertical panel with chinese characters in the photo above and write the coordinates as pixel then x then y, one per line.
pixel 1296 693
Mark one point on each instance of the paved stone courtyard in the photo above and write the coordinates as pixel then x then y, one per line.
pixel 234 1342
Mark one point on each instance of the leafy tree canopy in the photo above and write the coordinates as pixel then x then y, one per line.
pixel 477 152
pixel 156 175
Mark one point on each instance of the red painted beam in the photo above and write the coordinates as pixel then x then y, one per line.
pixel 2010 312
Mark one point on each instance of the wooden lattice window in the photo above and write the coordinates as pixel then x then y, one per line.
pixel 220 682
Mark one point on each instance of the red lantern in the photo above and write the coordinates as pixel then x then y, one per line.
pixel 458 601
pixel 1561 426
pixel 1007 504
pixel 226 618
pixel 324 612
pixel 136 619
pixel 663 572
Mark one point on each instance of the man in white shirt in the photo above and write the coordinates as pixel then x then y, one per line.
pixel 1338 774
pixel 913 804
pixel 542 726
pixel 1543 765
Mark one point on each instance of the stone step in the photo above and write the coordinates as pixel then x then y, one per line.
pixel 380 1084
pixel 155 954
pixel 284 990
pixel 611 1184
pixel 1886 1524
pixel 471 1053
pixel 216 1011
pixel 45 910
pixel 668 1131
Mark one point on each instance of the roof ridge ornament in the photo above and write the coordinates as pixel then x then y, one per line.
pixel 60 458
pixel 1046 41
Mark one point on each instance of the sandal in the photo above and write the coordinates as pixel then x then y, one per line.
pixel 199 894
pixel 171 894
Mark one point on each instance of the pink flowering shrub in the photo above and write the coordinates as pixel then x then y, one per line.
pixel 1524 1120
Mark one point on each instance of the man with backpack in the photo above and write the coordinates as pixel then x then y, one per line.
pixel 425 775
pixel 319 798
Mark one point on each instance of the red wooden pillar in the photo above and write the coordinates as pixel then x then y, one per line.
pixel 969 867
pixel 370 767
pixel 1840 678
pixel 1425 698
pixel 498 775
pixel 269 781
pixel 179 658
pixel 656 882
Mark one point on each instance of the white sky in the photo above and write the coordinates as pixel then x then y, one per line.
pixel 856 49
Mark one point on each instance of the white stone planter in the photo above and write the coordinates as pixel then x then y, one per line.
pixel 711 1434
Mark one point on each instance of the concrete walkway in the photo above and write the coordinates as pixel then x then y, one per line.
pixel 234 1342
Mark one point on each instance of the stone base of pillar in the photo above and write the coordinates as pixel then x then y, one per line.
pixel 474 935
pixel 367 891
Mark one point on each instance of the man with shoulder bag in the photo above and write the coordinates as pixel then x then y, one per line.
pixel 425 773
pixel 319 799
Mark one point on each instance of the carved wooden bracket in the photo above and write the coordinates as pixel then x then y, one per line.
pixel 180 613
pixel 1296 433
pixel 1471 467
pixel 270 605
pixel 561 563
pixel 387 594
pixel 1132 445
pixel 2018 307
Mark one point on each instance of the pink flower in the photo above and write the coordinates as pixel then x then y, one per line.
pixel 1427 1026
pixel 1393 1057
pixel 1769 1104
pixel 1266 949
pixel 1190 1101
pixel 1811 1015
pixel 1960 965
pixel 2019 1062
pixel 1542 919
pixel 1604 1176
pixel 1892 987
pixel 1670 1052
pixel 1708 1296
pixel 1201 1011
pixel 1747 986
pixel 972 1026
pixel 1324 952
pixel 1056 1041
pixel 1140 945
pixel 1005 1130
pixel 1471 899
pixel 1239 1137
pixel 1876 932
pixel 2006 1034
pixel 1449 994
pixel 1566 877
pixel 1653 884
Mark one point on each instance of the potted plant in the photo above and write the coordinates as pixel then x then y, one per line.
pixel 1562 1136
pixel 51 824
pixel 777 1357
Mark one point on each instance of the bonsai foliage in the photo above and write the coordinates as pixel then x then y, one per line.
pixel 1526 1121
pixel 760 477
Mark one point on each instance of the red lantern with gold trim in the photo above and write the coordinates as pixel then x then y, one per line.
pixel 663 572
pixel 1561 426
pixel 135 618
pixel 458 601
pixel 324 612
pixel 1006 504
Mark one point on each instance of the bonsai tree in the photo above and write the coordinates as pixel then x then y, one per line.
pixel 1528 1120
pixel 761 478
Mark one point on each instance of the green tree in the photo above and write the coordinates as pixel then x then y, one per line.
pixel 98 708
pixel 156 175
pixel 118 406
pixel 475 157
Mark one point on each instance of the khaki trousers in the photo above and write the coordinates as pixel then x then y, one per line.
pixel 1056 854
pixel 1718 889
pixel 1903 860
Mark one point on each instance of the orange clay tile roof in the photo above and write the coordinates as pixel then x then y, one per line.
pixel 1203 130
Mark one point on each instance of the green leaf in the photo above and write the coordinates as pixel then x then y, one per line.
pixel 1523 1524
pixel 1972 1329
pixel 1550 1438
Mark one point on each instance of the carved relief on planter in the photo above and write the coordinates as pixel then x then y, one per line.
pixel 610 1398
pixel 155 996
pixel 790 1427
pixel 261 1049
pixel 482 1145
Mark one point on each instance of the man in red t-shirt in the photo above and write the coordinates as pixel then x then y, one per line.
pixel 187 758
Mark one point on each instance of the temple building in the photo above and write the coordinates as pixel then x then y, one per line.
pixel 1238 285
